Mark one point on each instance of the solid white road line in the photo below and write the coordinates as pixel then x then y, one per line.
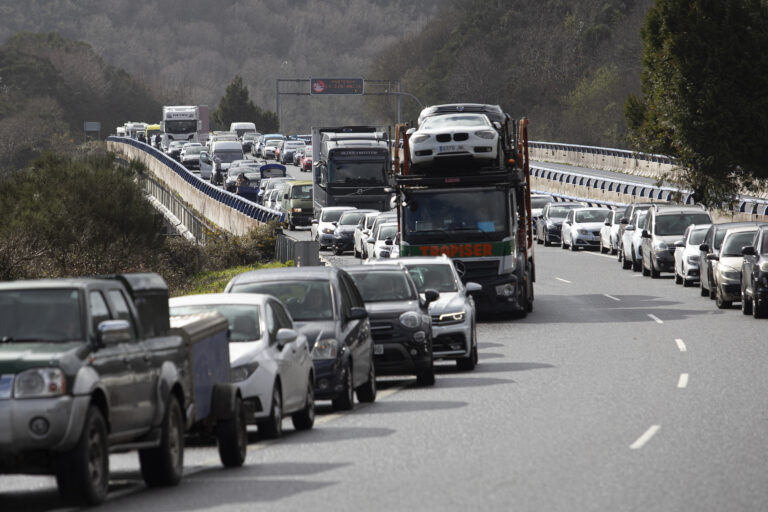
pixel 645 437
pixel 600 255
pixel 563 280
pixel 655 319
pixel 683 382
pixel 612 297
pixel 681 346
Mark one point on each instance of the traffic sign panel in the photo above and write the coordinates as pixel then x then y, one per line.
pixel 336 86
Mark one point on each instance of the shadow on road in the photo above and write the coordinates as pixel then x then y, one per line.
pixel 393 406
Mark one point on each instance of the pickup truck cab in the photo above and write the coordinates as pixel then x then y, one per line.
pixel 90 367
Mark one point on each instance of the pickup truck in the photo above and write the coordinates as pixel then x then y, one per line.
pixel 92 366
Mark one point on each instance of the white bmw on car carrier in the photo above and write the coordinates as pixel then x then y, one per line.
pixel 455 135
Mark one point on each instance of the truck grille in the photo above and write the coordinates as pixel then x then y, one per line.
pixel 478 270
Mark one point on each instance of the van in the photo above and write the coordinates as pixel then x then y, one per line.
pixel 223 153
pixel 240 128
pixel 297 203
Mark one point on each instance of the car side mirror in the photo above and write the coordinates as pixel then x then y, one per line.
pixel 679 243
pixel 314 221
pixel 568 222
pixel 713 257
pixel 474 287
pixel 630 228
pixel 646 234
pixel 335 224
pixel 431 295
pixel 371 240
pixel 748 250
pixel 388 241
pixel 357 314
pixel 285 196
pixel 607 223
pixel 704 248
pixel 111 332
pixel 285 336
pixel 624 220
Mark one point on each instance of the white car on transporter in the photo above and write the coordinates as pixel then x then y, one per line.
pixel 270 359
pixel 455 135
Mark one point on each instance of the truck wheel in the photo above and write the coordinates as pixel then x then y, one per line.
pixel 426 377
pixel 82 474
pixel 346 400
pixel 164 465
pixel 232 436
pixel 367 392
pixel 305 418
pixel 272 428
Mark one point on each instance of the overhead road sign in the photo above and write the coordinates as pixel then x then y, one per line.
pixel 336 86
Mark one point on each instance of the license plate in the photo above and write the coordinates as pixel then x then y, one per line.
pixel 449 149
pixel 378 350
pixel 6 384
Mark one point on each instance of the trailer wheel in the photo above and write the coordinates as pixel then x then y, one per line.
pixel 232 436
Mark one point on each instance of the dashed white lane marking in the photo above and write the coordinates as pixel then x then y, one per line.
pixel 681 346
pixel 683 382
pixel 645 437
pixel 612 297
pixel 600 255
pixel 563 280
pixel 655 319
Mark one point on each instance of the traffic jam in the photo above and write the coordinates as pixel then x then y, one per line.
pixel 442 222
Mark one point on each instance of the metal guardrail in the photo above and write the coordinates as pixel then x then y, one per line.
pixel 594 150
pixel 303 253
pixel 244 206
pixel 192 222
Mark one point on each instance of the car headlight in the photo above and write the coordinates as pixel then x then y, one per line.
pixel 764 266
pixel 583 231
pixel 693 259
pixel 328 231
pixel 660 246
pixel 458 316
pixel 325 349
pixel 295 210
pixel 39 383
pixel 416 139
pixel 410 319
pixel 731 274
pixel 240 373
pixel 485 134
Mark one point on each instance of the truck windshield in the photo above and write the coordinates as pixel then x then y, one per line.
pixel 227 156
pixel 40 315
pixel 358 173
pixel 243 320
pixel 181 126
pixel 472 214
pixel 301 192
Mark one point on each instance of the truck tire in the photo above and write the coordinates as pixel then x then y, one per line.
pixel 272 427
pixel 305 418
pixel 82 474
pixel 367 392
pixel 346 400
pixel 232 436
pixel 163 465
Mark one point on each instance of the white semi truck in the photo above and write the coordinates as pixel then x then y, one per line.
pixel 184 122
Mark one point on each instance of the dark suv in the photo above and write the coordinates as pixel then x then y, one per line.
pixel 754 276
pixel 400 321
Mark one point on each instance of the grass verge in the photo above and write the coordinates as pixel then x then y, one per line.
pixel 215 281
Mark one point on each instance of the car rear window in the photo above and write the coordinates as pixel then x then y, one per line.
pixel 435 277
pixel 382 286
pixel 676 224
pixel 592 215
pixel 243 319
pixel 735 242
pixel 305 300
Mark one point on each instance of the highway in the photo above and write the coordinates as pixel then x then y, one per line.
pixel 617 393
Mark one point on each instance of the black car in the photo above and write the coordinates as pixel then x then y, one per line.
pixel 400 321
pixel 549 226
pixel 754 276
pixel 344 234
pixel 711 245
pixel 327 308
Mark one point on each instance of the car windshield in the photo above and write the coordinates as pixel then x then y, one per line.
pixel 308 152
pixel 331 215
pixel 181 126
pixel 434 277
pixel 40 315
pixel 305 300
pixel 194 150
pixel 381 286
pixel 228 156
pixel 667 225
pixel 734 243
pixel 592 216
pixel 273 142
pixel 359 173
pixel 350 218
pixel 640 218
pixel 472 214
pixel 560 212
pixel 301 192
pixel 176 144
pixel 387 232
pixel 540 202
pixel 451 120
pixel 697 236
pixel 243 319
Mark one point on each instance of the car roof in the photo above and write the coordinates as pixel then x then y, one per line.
pixel 360 269
pixel 220 298
pixel 274 274
pixel 334 208
pixel 729 225
pixel 427 260
pixel 291 184
pixel 741 229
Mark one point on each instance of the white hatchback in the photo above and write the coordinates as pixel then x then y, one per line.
pixel 687 254
pixel 455 135
pixel 270 359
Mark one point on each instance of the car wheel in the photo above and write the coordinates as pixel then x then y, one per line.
pixel 272 428
pixel 636 265
pixel 358 255
pixel 367 392
pixel 547 243
pixel 164 465
pixel 746 304
pixel 346 400
pixel 305 418
pixel 704 291
pixel 426 377
pixel 655 274
pixel 232 435
pixel 720 302
pixel 678 278
pixel 466 364
pixel 538 241
pixel 338 252
pixel 563 245
pixel 687 283
pixel 712 291
pixel 82 474
pixel 573 246
pixel 759 309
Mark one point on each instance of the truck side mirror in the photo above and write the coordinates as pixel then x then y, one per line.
pixel 112 332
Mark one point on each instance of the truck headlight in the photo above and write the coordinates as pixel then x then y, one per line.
pixel 410 319
pixel 505 290
pixel 325 349
pixel 240 373
pixel 452 317
pixel 39 383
